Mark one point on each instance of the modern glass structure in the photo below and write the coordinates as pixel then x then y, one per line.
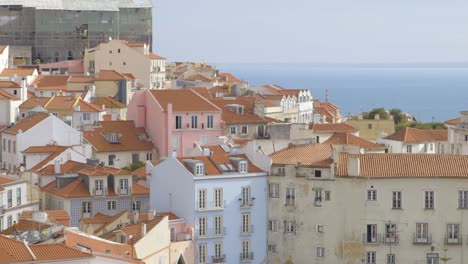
pixel 61 29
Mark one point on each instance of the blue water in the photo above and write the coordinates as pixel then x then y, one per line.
pixel 427 93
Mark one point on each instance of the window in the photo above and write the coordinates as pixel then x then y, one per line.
pixel 409 148
pixel 370 257
pixel 320 228
pixel 233 130
pixel 422 235
pixel 429 200
pixel 86 208
pixel 4 144
pixel 118 50
pixel 14 147
pixel 318 198
pixel 318 173
pixel 290 196
pixel 466 137
pixel 10 198
pixel 86 116
pixel 9 146
pixel 15 92
pixel 390 258
pixel 136 206
pixel 245 228
pixel 243 166
pixel 218 225
pixel 271 248
pixel 246 254
pixel 98 187
pixel 124 63
pixel 317 139
pixel 369 126
pixel 371 195
pixel 199 169
pixel 246 199
pixel 209 121
pixel 111 159
pixel 135 158
pixel 202 252
pixel 123 186
pixel 290 227
pixel 218 248
pixel 453 233
pixel 202 222
pixel 9 221
pixel 194 121
pixel 111 205
pixel 218 197
pixel 327 195
pixel 396 200
pixel 149 156
pixel 390 233
pixel 463 199
pixel 320 252
pixel 281 171
pixel 178 122
pixel 432 258
pixel 18 196
pixel 371 233
pixel 272 225
pixel 244 129
pixel 273 190
pixel 202 199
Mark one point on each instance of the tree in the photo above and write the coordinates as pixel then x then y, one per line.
pixel 445 259
pixel 398 116
pixel 134 166
pixel 380 111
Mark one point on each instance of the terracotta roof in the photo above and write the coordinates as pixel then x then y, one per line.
pixel 69 167
pixel 228 77
pixel 26 225
pixel 340 138
pixel 54 214
pixel 26 123
pixel 7 95
pixel 44 252
pixel 61 102
pixel 408 135
pixel 2 48
pixel 99 170
pixel 318 155
pixel 290 92
pixel 153 56
pixel 407 165
pixel 52 150
pixel 50 82
pixel 17 71
pixel 328 109
pixel 81 79
pixel 109 75
pixel 332 127
pixel 203 91
pixel 198 77
pixel 135 44
pixel 454 121
pixel 135 229
pixel 7 180
pixel 12 250
pixel 108 102
pixel 88 107
pixel 230 116
pixel 182 100
pixel 171 215
pixel 9 84
pixel 100 218
pixel 130 138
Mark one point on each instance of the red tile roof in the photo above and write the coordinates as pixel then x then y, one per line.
pixel 340 138
pixel 69 167
pixel 412 135
pixel 228 77
pixel 52 150
pixel 81 79
pixel 406 165
pixel 317 155
pixel 54 214
pixel 183 100
pixel 7 95
pixel 17 71
pixel 9 84
pixel 232 117
pixel 108 102
pixel 109 75
pixel 332 127
pixel 153 56
pixel 50 82
pixel 454 121
pixel 26 123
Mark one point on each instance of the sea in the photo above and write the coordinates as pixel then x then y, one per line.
pixel 428 92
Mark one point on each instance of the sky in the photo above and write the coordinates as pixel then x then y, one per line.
pixel 311 31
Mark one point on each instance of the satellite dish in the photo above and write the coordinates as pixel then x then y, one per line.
pixel 361 150
pixel 22 169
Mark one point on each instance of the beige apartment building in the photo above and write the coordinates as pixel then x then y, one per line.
pixel 128 57
pixel 366 208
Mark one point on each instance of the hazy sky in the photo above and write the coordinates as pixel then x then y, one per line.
pixel 356 31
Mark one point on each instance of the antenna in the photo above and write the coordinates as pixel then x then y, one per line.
pixel 326 95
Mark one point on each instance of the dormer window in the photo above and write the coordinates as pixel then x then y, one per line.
pixel 243 166
pixel 199 169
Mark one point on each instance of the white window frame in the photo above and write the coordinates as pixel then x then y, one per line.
pixel 202 194
pixel 371 257
pixel 243 166
pixel 112 205
pixel 194 122
pixel 202 226
pixel 290 227
pixel 233 130
pixel 320 252
pixel 218 197
pixel 429 200
pixel 390 258
pixel 218 225
pixel 397 199
pixel 123 186
pixel 371 195
pixel 291 196
pixel 273 225
pixel 246 222
pixel 273 190
pixel 463 199
pixel 422 232
pixel 202 253
pixel 209 121
pixel 453 233
pixel 199 171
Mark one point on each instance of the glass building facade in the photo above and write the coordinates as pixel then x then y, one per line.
pixel 57 34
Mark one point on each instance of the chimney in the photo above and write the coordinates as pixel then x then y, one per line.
pixel 151 214
pixel 135 217
pixel 57 166
pixel 143 229
pixel 354 166
pixel 259 108
pixel 174 154
pixel 206 152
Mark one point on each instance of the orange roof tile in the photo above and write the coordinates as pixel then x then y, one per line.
pixel 454 121
pixel 61 102
pixel 55 214
pixel 109 75
pixel 88 107
pixel 340 138
pixel 35 101
pixel 407 165
pixel 2 48
pixel 68 167
pixel 17 71
pixel 332 127
pixel 44 252
pixel 130 138
pixel 81 79
pixel 228 77
pixel 153 56
pixel 203 91
pixel 7 95
pixel 99 170
pixel 7 180
pixel 108 102
pixel 135 44
pixel 26 123
pixel 183 100
pixel 26 225
pixel 229 116
pixel 135 229
pixel 52 150
pixel 50 82
pixel 409 135
pixel 317 155
pixel 12 250
pixel 171 215
pixel 198 77
pixel 9 84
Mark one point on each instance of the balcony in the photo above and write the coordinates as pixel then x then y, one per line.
pixel 211 206
pixel 210 233
pixel 454 241
pixel 246 256
pixel 218 259
pixel 246 230
pixel 371 239
pixel 246 203
pixel 391 239
pixel 421 239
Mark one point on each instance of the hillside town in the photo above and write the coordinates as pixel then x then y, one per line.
pixel 111 153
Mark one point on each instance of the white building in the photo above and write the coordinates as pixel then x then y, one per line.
pixel 458 134
pixel 223 196
pixel 413 140
pixel 4 52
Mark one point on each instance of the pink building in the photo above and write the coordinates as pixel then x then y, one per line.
pixel 176 119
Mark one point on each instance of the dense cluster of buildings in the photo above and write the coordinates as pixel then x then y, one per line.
pixel 110 154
